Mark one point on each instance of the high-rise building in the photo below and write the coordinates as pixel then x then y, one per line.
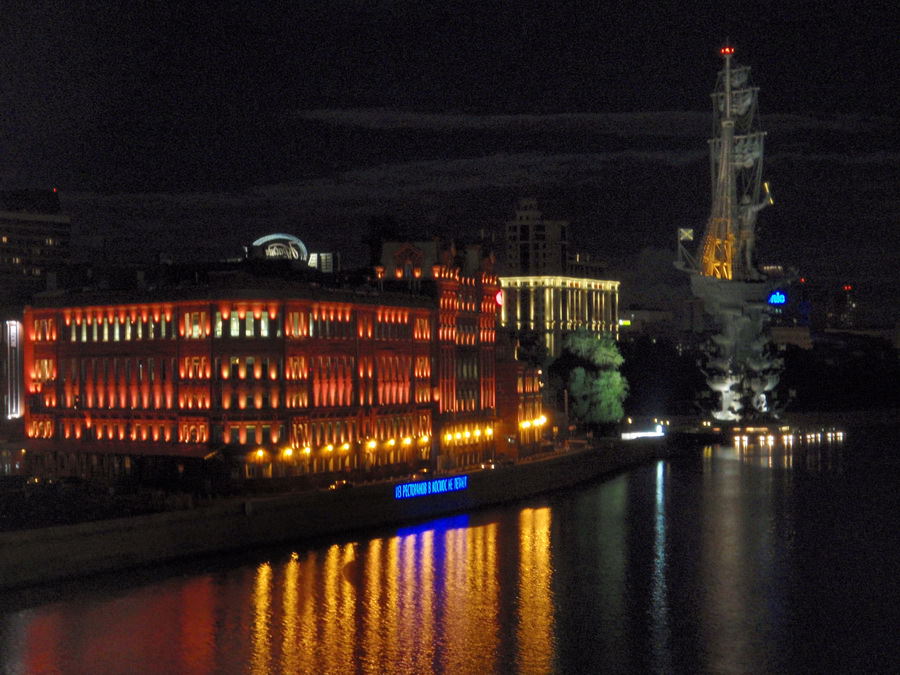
pixel 549 289
pixel 842 308
pixel 34 238
pixel 535 245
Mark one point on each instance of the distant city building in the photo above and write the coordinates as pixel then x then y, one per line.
pixel 646 321
pixel 842 308
pixel 554 306
pixel 535 246
pixel 583 265
pixel 549 289
pixel 413 261
pixel 328 263
pixel 34 239
pixel 799 336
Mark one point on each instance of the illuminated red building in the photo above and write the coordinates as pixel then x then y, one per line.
pixel 286 375
pixel 520 399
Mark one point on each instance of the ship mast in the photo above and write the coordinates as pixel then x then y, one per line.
pixel 740 366
pixel 736 150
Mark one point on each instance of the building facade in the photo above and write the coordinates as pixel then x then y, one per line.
pixel 535 245
pixel 288 377
pixel 547 287
pixel 34 238
pixel 520 398
pixel 554 306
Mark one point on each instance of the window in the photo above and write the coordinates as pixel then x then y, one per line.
pixel 264 326
pixel 217 330
pixel 235 326
pixel 195 320
pixel 248 325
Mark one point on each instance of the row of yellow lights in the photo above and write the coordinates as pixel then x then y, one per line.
pixel 656 420
pixel 537 422
pixel 466 435
pixel 788 438
pixel 371 444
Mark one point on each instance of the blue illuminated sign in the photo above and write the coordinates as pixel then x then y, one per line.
pixel 777 298
pixel 435 486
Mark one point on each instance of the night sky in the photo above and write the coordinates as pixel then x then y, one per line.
pixel 192 130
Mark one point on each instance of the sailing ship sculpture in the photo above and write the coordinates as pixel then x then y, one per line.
pixel 739 363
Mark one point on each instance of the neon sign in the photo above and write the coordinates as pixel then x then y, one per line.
pixel 777 298
pixel 435 486
pixel 283 246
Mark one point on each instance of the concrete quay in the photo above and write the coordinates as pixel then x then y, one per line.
pixel 30 557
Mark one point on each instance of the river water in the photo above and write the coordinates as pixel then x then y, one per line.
pixel 764 557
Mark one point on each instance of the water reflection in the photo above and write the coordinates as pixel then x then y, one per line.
pixel 535 634
pixel 676 567
pixel 659 590
pixel 810 450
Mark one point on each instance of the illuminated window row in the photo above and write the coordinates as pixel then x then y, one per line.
pixel 44 330
pixel 468 435
pixel 370 445
pixel 40 427
pixel 249 433
pixel 121 430
pixel 119 396
pixel 533 423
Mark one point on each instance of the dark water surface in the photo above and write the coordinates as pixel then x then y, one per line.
pixel 763 557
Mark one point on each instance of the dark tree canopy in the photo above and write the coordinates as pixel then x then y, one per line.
pixel 588 369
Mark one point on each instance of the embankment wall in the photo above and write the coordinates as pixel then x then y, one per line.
pixel 49 554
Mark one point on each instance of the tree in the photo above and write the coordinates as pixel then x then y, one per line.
pixel 589 368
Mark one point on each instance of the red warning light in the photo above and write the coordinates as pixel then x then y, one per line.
pixel 54 189
pixel 802 280
pixel 726 51
pixel 848 287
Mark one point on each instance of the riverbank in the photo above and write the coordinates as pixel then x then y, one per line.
pixel 30 557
